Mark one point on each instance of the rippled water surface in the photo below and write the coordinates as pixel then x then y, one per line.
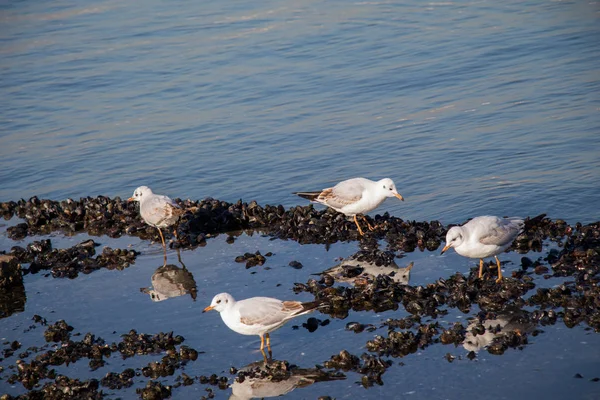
pixel 471 107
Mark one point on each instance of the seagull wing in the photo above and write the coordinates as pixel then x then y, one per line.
pixel 267 311
pixel 344 193
pixel 502 231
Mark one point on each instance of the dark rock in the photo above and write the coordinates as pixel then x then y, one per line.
pixel 58 332
pixel 10 271
pixel 295 264
pixel 154 391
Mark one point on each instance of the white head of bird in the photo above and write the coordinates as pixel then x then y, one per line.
pixel 220 302
pixel 387 187
pixel 454 238
pixel 140 193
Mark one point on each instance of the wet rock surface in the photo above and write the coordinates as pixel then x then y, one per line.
pixel 154 391
pixel 10 271
pixel 12 290
pixel 115 217
pixel 64 388
pixel 502 324
pixel 69 263
pixel 252 259
pixel 67 351
pixel 507 314
pixel 370 367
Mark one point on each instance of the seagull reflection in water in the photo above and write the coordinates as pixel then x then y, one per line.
pixel 355 270
pixel 504 323
pixel 171 281
pixel 276 378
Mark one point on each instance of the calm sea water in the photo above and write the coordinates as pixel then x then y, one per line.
pixel 472 107
pixel 479 107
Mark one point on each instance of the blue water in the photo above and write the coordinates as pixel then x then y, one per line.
pixel 471 107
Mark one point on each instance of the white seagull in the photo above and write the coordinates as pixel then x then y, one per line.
pixel 354 196
pixel 484 237
pixel 258 315
pixel 157 210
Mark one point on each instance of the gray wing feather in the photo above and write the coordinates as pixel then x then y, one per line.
pixel 503 232
pixel 168 200
pixel 345 192
pixel 351 188
pixel 160 209
pixel 265 311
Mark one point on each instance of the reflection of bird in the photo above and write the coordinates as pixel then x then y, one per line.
pixel 354 196
pixel 257 315
pixel 484 237
pixel 508 321
pixel 255 385
pixel 351 269
pixel 157 210
pixel 171 281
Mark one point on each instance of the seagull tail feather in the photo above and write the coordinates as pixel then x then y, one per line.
pixel 310 306
pixel 308 195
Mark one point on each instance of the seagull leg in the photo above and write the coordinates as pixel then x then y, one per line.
pixel 368 224
pixel 262 343
pixel 269 345
pixel 266 360
pixel 480 268
pixel 162 239
pixel 499 270
pixel 358 226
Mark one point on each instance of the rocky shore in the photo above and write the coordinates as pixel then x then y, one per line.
pixel 510 311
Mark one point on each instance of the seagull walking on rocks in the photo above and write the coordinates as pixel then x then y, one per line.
pixel 354 196
pixel 157 210
pixel 484 237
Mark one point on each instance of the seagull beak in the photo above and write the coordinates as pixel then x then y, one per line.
pixel 446 247
pixel 398 195
pixel 208 309
pixel 130 199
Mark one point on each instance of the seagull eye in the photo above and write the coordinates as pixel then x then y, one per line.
pixel 218 301
pixel 384 186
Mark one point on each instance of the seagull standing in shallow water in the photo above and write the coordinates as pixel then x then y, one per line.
pixel 157 210
pixel 354 196
pixel 483 237
pixel 258 315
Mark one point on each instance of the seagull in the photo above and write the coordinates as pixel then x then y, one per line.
pixel 484 237
pixel 354 196
pixel 258 315
pixel 157 210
